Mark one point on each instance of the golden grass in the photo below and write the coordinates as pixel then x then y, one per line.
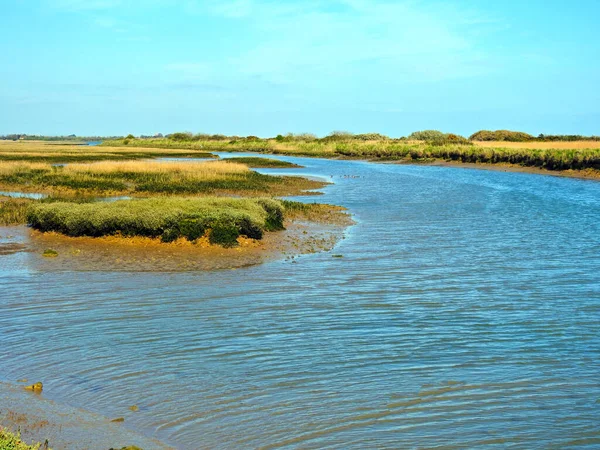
pixel 560 145
pixel 10 167
pixel 201 169
pixel 36 151
pixel 148 178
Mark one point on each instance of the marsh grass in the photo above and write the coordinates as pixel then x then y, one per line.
pixel 13 211
pixel 258 162
pixel 149 178
pixel 547 155
pixel 222 219
pixel 58 154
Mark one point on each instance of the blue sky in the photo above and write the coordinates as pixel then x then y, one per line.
pixel 265 67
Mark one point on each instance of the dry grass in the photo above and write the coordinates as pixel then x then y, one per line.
pixel 35 151
pixel 10 167
pixel 148 178
pixel 201 170
pixel 574 145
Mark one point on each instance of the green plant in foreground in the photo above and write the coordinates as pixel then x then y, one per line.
pixel 222 219
pixel 11 441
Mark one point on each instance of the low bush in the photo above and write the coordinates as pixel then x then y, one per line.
pixel 501 135
pixel 224 219
pixel 426 135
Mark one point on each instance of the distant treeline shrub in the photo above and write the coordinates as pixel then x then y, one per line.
pixel 371 137
pixel 435 137
pixel 426 135
pixel 566 138
pixel 222 219
pixel 291 137
pixel 501 135
pixel 519 136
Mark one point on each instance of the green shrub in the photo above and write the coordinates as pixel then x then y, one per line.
pixel 181 136
pixel 167 218
pixel 426 135
pixel 501 135
pixel 224 233
pixel 448 139
pixel 371 137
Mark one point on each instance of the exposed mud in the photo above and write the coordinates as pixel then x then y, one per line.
pixel 305 233
pixel 39 419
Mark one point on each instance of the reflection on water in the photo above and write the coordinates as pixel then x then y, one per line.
pixel 464 312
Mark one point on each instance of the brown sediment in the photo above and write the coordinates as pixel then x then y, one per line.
pixel 39 419
pixel 317 229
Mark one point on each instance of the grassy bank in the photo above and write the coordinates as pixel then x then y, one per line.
pixel 258 162
pixel 45 152
pixel 545 155
pixel 222 220
pixel 149 178
pixel 11 441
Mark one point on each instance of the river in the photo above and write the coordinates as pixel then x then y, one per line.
pixel 465 311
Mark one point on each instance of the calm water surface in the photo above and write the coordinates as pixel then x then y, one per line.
pixel 465 312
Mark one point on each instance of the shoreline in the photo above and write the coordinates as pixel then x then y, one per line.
pixel 304 234
pixel 586 174
pixel 66 428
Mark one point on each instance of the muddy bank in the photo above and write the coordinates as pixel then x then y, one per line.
pixel 304 234
pixel 39 419
pixel 586 174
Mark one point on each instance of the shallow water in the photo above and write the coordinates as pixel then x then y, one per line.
pixel 31 195
pixel 465 311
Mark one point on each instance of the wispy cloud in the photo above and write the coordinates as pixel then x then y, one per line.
pixel 84 5
pixel 368 41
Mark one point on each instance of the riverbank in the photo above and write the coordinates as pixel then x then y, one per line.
pixel 578 155
pixel 587 174
pixel 65 428
pixel 311 229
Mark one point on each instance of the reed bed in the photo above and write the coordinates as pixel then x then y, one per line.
pixel 13 211
pixel 149 178
pixel 51 153
pixel 200 169
pixel 258 162
pixel 222 220
pixel 584 155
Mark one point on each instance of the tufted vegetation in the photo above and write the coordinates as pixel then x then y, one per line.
pixel 222 219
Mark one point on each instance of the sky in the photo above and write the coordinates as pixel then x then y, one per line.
pixel 264 67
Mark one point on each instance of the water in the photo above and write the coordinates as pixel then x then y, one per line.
pixel 31 195
pixel 465 312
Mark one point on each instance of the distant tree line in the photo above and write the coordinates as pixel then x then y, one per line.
pixel 433 137
pixel 519 136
